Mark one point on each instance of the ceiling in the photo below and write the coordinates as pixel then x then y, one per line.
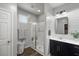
pixel 27 7
pixel 34 11
pixel 56 4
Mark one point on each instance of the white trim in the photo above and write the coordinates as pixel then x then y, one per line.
pixel 38 51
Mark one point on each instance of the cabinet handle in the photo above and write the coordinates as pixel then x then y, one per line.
pixel 8 41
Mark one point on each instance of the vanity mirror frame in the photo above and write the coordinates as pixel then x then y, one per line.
pixel 60 18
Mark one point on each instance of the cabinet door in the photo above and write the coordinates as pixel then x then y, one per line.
pixel 65 49
pixel 52 47
pixel 75 50
pixel 58 48
pixel 55 48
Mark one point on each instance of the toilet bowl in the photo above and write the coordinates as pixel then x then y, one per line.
pixel 20 47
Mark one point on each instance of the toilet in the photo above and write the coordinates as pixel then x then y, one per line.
pixel 21 46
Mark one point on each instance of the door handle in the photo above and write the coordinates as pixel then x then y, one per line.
pixel 8 41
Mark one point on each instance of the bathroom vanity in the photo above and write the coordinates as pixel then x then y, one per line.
pixel 64 47
pixel 63 44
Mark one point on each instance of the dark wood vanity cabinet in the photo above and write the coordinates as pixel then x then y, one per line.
pixel 75 50
pixel 63 49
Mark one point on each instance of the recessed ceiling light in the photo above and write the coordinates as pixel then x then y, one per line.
pixel 38 10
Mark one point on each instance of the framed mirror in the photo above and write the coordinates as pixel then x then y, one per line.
pixel 61 25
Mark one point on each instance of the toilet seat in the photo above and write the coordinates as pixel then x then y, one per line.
pixel 21 46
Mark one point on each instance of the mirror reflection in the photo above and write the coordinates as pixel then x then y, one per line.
pixel 61 25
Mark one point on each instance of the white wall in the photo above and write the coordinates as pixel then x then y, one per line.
pixel 73 17
pixel 49 25
pixel 26 28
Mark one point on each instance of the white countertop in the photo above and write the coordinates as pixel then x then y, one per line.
pixel 71 41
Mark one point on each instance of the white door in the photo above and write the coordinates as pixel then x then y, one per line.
pixel 5 33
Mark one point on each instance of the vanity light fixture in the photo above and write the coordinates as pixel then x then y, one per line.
pixel 60 14
pixel 64 13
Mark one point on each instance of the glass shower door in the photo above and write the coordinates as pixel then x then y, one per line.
pixel 40 36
